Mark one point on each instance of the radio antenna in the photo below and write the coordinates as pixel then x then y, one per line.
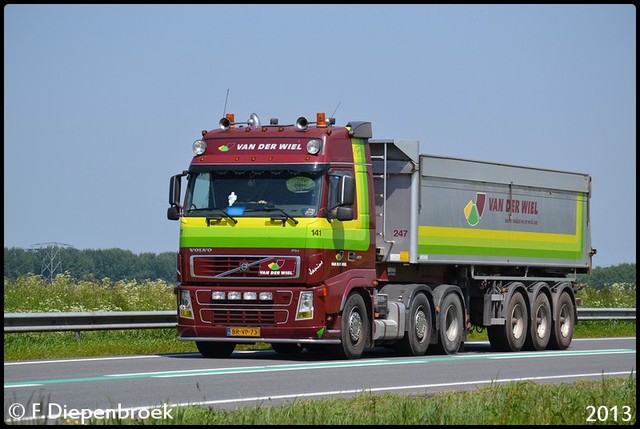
pixel 225 103
pixel 334 110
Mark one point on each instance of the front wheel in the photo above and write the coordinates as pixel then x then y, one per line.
pixel 212 349
pixel 563 325
pixel 354 329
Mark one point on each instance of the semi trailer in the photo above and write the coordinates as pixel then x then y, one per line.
pixel 312 236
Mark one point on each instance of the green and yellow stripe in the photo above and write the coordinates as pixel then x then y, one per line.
pixel 313 233
pixel 433 240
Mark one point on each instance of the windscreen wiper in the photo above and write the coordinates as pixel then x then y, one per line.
pixel 270 207
pixel 210 209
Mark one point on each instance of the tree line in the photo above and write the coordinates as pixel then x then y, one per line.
pixel 90 264
pixel 120 264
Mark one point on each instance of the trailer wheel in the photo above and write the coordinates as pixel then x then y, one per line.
pixel 211 349
pixel 287 348
pixel 563 326
pixel 418 335
pixel 354 331
pixel 452 325
pixel 540 324
pixel 512 335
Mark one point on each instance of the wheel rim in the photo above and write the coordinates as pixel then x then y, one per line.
pixel 542 322
pixel 355 326
pixel 451 322
pixel 565 321
pixel 420 325
pixel 517 322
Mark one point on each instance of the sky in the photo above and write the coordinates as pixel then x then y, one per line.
pixel 103 102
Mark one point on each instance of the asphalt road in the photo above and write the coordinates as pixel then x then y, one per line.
pixel 145 385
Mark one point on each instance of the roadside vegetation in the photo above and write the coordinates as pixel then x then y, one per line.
pixel 34 294
pixel 602 402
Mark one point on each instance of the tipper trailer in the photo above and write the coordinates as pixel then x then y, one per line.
pixel 318 237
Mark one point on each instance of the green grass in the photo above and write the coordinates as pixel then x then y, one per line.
pixel 609 401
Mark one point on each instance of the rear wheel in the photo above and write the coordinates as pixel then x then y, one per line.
pixel 451 317
pixel 354 330
pixel 512 335
pixel 540 324
pixel 418 335
pixel 563 325
pixel 212 349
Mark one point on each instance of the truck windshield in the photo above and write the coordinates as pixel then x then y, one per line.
pixel 253 193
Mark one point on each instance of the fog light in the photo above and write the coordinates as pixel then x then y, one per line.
pixel 234 295
pixel 250 296
pixel 218 295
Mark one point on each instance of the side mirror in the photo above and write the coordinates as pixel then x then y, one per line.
pixel 344 213
pixel 174 190
pixel 345 196
pixel 346 191
pixel 173 213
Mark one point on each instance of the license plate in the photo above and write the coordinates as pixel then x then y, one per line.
pixel 243 332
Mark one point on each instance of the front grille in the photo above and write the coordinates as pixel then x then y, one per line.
pixel 243 317
pixel 243 266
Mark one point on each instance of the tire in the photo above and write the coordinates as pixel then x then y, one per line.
pixel 511 336
pixel 452 325
pixel 416 340
pixel 540 325
pixel 354 332
pixel 212 349
pixel 564 324
pixel 287 348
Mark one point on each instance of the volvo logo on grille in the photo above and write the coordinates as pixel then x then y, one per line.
pixel 244 267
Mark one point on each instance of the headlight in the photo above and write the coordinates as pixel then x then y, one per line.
pixel 199 147
pixel 305 306
pixel 185 305
pixel 314 146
